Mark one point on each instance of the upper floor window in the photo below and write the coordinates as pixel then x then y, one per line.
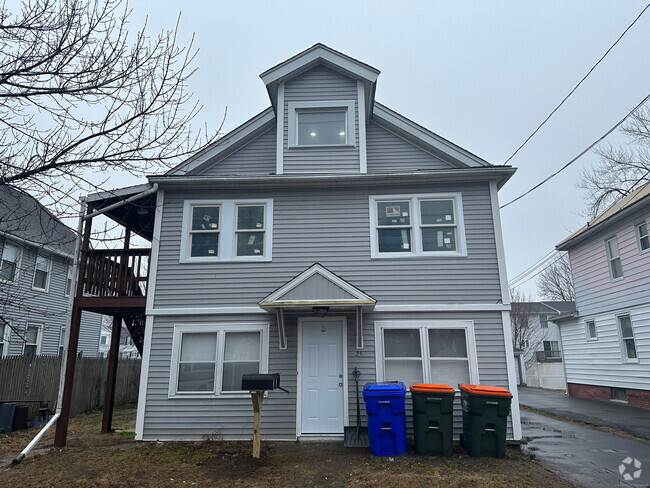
pixel 592 333
pixel 543 321
pixel 642 236
pixel 41 273
pixel 627 338
pixel 328 123
pixel 614 258
pixel 552 349
pixel 227 230
pixel 32 340
pixel 9 266
pixel 417 225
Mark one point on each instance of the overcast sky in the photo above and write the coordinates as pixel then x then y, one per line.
pixel 481 74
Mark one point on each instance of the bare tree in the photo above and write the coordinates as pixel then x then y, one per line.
pixel 526 333
pixel 556 281
pixel 81 95
pixel 619 170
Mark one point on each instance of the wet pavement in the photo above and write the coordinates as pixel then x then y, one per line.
pixel 628 418
pixel 585 456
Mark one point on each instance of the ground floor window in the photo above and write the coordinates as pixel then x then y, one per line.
pixel 32 333
pixel 211 359
pixel 429 352
pixel 627 338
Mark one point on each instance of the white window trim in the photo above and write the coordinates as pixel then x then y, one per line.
pixel 609 259
pixel 227 231
pixel 416 237
pixel 39 337
pixel 589 338
pixel 19 256
pixel 637 232
pixel 6 337
pixel 423 326
pixel 295 107
pixel 622 341
pixel 220 329
pixel 49 273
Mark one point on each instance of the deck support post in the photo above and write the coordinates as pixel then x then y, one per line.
pixel 258 397
pixel 61 435
pixel 111 377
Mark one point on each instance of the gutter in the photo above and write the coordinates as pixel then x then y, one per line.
pixel 120 203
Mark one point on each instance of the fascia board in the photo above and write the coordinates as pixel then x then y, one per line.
pixel 126 191
pixel 228 142
pixel 382 114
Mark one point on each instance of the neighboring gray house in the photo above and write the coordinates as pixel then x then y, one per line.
pixel 541 354
pixel 326 233
pixel 35 278
pixel 606 343
pixel 127 349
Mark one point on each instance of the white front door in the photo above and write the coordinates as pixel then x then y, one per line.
pixel 322 377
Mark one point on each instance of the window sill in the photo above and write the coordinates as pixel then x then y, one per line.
pixel 631 361
pixel 212 396
pixel 593 339
pixel 248 259
pixel 615 280
pixel 318 146
pixel 444 254
pixel 34 288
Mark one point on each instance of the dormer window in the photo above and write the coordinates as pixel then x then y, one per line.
pixel 314 124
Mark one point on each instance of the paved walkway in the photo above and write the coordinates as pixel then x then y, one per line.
pixel 627 418
pixel 586 457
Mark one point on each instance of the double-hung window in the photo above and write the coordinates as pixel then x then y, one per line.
pixel 32 340
pixel 417 225
pixel 642 237
pixel 227 230
pixel 211 359
pixel 321 123
pixel 62 341
pixel 592 332
pixel 435 352
pixel 41 278
pixel 9 265
pixel 627 337
pixel 4 337
pixel 614 258
pixel 552 349
pixel 68 281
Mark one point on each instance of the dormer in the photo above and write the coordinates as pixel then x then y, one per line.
pixel 322 100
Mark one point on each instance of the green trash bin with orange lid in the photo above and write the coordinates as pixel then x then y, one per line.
pixel 433 419
pixel 485 419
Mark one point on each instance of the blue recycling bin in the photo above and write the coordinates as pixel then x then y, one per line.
pixel 386 418
pixel 6 416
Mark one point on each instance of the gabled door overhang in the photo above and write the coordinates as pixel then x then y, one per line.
pixel 317 287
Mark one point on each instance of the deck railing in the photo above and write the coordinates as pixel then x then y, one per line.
pixel 116 272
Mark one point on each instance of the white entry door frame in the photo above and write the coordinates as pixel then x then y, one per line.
pixel 344 372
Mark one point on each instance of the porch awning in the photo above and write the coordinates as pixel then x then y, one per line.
pixel 318 287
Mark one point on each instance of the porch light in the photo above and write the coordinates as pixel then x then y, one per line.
pixel 320 311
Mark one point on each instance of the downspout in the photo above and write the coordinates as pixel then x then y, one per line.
pixel 73 287
pixel 75 272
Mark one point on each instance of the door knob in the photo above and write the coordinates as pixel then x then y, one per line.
pixel 340 384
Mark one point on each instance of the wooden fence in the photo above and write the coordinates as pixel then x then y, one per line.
pixel 24 378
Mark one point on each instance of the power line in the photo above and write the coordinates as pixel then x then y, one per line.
pixel 576 87
pixel 532 268
pixel 540 271
pixel 589 148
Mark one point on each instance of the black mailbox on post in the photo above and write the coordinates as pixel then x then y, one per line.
pixel 269 381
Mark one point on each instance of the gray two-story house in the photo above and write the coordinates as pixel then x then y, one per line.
pixel 606 343
pixel 36 251
pixel 327 233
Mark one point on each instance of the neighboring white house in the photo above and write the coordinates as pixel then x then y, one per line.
pixel 607 341
pixel 541 351
pixel 36 252
pixel 128 348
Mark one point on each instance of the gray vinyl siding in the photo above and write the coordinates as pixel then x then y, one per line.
pixel 389 153
pixel 317 286
pixel 311 226
pixel 321 84
pixel 23 305
pixel 232 418
pixel 256 157
pixel 600 362
pixel 595 290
